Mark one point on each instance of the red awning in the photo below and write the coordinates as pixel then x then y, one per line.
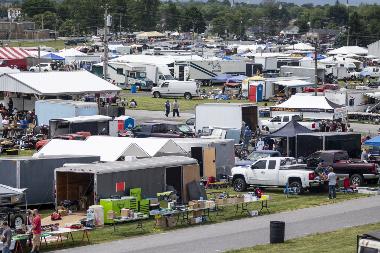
pixel 13 53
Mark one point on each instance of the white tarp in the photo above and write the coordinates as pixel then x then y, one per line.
pixel 8 70
pixel 375 95
pixel 294 83
pixel 56 82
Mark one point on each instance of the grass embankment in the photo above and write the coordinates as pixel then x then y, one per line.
pixel 57 44
pixel 340 241
pixel 278 203
pixel 157 104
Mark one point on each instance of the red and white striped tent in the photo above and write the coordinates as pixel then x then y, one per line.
pixel 11 53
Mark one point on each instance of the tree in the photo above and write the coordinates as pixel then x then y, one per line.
pixel 35 7
pixel 193 19
pixel 172 16
pixel 219 26
pixel 338 14
pixel 49 19
pixel 67 28
pixel 146 15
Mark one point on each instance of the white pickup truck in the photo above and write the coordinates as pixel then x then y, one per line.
pixel 274 171
pixel 277 122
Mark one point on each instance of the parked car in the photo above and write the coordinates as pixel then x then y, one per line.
pixel 356 170
pixel 163 130
pixel 76 136
pixel 174 88
pixel 256 155
pixel 370 72
pixel 322 88
pixel 45 67
pixel 274 171
pixel 369 242
pixel 281 120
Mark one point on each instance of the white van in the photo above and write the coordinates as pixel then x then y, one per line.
pixel 371 72
pixel 174 88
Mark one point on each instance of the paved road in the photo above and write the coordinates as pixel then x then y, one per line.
pixel 247 232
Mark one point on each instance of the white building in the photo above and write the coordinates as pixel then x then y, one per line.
pixel 14 13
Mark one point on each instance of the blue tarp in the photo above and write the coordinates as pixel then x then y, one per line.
pixel 53 57
pixel 222 78
pixel 373 142
pixel 237 79
pixel 319 56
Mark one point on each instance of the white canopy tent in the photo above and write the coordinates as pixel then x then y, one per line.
pixel 56 83
pixel 72 55
pixel 294 83
pixel 300 47
pixel 8 70
pixel 312 107
pixel 347 50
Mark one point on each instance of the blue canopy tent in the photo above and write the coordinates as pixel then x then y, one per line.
pixel 53 57
pixel 319 56
pixel 222 78
pixel 375 142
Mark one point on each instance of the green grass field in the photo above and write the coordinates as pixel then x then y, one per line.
pixel 278 203
pixel 340 241
pixel 57 44
pixel 157 104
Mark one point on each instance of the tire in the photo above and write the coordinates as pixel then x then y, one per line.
pixel 156 94
pixel 356 179
pixel 17 220
pixel 31 70
pixel 239 184
pixel 297 186
pixel 187 96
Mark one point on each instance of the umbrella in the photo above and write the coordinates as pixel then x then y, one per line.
pixel 222 78
pixel 53 57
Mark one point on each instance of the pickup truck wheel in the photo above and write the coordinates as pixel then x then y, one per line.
pixel 296 186
pixel 156 94
pixel 239 184
pixel 356 179
pixel 187 95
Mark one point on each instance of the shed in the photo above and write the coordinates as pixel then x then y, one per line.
pixel 102 180
pixel 36 174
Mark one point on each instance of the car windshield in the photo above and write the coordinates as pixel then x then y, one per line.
pixel 184 128
pixel 44 65
pixel 168 77
pixel 257 155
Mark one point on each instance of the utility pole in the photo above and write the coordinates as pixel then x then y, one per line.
pixel 42 21
pixel 120 25
pixel 348 25
pixel 316 67
pixel 107 23
pixel 39 58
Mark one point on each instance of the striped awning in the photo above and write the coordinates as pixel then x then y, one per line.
pixel 13 53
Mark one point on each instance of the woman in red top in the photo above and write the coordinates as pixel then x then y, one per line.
pixel 36 230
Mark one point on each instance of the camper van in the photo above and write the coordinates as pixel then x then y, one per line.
pixel 174 88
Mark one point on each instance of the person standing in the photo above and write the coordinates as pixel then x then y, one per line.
pixel 5 123
pixel 260 145
pixel 247 137
pixel 364 155
pixel 167 108
pixel 36 230
pixel 175 108
pixel 6 238
pixel 331 177
pixel 10 105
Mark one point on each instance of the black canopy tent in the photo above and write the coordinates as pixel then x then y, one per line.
pixel 290 130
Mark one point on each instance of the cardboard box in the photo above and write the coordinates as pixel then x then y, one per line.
pixel 202 204
pixel 240 199
pixel 63 212
pixel 196 220
pixel 110 215
pixel 231 201
pixel 171 221
pixel 220 201
pixel 161 222
pixel 197 213
pixel 125 212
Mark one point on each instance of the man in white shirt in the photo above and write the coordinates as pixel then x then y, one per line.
pixel 331 177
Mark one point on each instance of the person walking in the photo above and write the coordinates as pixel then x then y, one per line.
pixel 167 108
pixel 175 108
pixel 6 238
pixel 36 230
pixel 331 177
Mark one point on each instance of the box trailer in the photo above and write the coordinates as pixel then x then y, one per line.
pixel 268 63
pixel 103 180
pixel 57 108
pixel 215 157
pixel 228 115
pixel 96 125
pixel 36 174
pixel 306 144
pixel 303 72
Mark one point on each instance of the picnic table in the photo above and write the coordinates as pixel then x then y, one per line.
pixel 69 234
pixel 126 219
pixel 243 205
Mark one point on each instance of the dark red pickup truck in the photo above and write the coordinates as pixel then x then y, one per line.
pixel 358 171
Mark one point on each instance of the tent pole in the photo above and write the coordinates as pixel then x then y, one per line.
pixel 296 141
pixel 287 146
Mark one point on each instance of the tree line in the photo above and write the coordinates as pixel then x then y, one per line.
pixel 80 17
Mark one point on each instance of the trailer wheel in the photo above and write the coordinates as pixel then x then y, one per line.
pixel 156 94
pixel 17 220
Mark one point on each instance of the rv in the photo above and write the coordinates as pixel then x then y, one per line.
pixel 205 70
